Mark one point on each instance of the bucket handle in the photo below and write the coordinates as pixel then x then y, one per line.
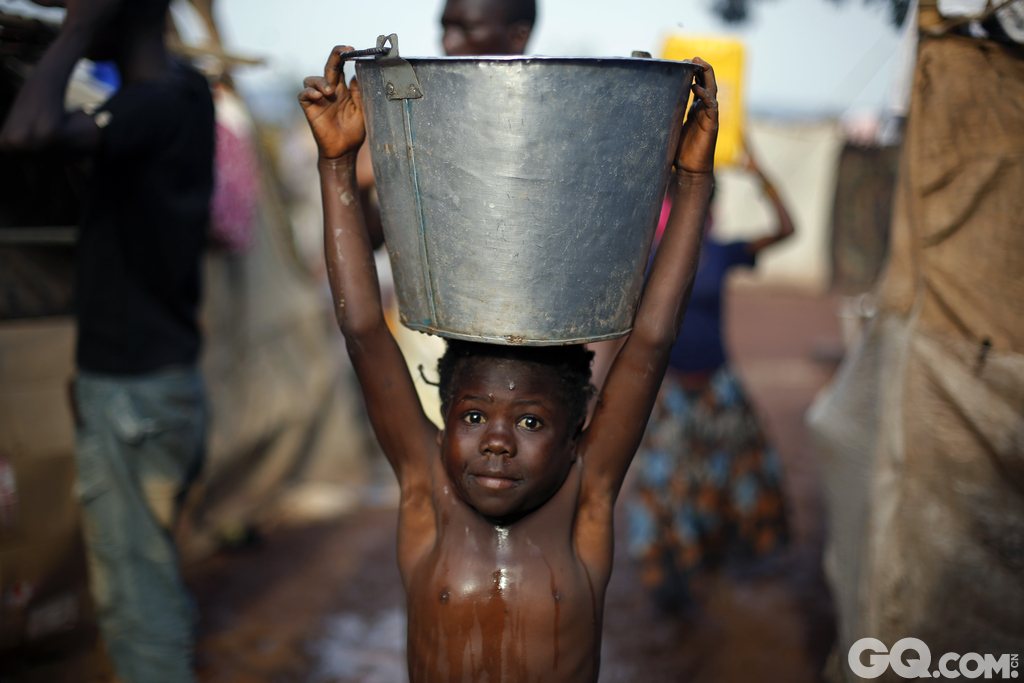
pixel 401 81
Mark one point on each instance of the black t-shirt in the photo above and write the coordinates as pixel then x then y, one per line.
pixel 144 227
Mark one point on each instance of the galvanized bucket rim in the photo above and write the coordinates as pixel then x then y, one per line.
pixel 612 287
pixel 538 58
pixel 514 339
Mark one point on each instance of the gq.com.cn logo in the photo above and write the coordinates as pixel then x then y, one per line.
pixel 950 665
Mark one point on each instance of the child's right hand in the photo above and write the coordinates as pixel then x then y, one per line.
pixel 334 111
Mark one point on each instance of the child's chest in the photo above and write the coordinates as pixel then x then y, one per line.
pixel 513 603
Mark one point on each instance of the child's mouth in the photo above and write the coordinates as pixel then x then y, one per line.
pixel 495 483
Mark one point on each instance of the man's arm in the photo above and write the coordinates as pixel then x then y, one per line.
pixel 635 377
pixel 37 119
pixel 335 116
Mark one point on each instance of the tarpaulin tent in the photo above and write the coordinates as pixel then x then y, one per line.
pixel 921 434
pixel 860 216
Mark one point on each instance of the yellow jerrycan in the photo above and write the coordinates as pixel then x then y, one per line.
pixel 726 56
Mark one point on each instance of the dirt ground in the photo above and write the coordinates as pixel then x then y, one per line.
pixel 323 603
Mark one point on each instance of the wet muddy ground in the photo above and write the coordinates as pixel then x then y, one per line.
pixel 323 603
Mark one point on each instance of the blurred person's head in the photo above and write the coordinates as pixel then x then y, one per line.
pixel 135 22
pixel 487 27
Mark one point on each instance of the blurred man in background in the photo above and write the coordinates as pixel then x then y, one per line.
pixel 487 27
pixel 140 402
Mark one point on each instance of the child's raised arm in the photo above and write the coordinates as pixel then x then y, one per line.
pixel 335 115
pixel 629 392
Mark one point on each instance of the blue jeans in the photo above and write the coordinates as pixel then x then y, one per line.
pixel 140 443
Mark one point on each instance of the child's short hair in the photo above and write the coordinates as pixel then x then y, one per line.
pixel 570 363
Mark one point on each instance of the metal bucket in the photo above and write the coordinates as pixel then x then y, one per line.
pixel 519 196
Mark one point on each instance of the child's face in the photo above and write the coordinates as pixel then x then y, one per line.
pixel 507 446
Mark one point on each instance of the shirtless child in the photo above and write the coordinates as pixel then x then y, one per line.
pixel 505 523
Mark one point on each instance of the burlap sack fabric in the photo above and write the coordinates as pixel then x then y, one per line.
pixel 921 434
pixel 958 227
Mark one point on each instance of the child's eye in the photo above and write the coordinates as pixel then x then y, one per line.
pixel 529 422
pixel 474 418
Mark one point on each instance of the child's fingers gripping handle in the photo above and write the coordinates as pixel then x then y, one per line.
pixel 704 103
pixel 357 92
pixel 700 130
pixel 315 88
pixel 705 77
pixel 705 92
pixel 334 70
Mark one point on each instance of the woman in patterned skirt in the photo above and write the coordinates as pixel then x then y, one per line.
pixel 708 481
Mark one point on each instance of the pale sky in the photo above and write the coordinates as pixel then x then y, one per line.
pixel 808 58
pixel 804 57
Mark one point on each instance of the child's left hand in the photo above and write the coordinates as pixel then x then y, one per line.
pixel 696 153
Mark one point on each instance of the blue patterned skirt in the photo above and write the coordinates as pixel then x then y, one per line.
pixel 708 486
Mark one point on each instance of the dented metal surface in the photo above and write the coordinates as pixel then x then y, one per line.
pixel 519 196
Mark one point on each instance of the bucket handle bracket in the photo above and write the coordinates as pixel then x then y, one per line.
pixel 400 78
pixel 401 82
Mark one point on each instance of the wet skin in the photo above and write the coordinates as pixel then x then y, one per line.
pixel 505 522
pixel 500 594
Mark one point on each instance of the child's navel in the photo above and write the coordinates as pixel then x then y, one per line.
pixel 444 596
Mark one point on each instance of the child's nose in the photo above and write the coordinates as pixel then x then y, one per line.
pixel 499 441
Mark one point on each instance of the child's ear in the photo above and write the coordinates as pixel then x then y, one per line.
pixel 579 430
